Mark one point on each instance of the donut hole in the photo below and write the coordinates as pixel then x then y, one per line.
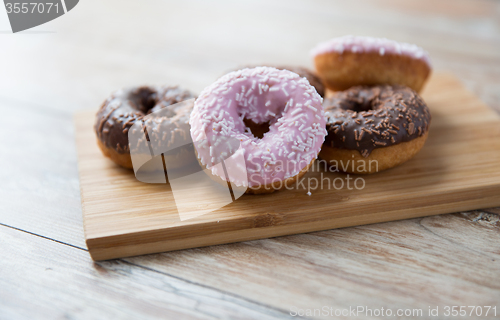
pixel 144 98
pixel 363 100
pixel 359 105
pixel 258 129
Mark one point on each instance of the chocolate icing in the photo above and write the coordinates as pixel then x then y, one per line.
pixel 313 79
pixel 364 118
pixel 120 111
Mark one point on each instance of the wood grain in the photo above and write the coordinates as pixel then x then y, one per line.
pixel 432 261
pixel 456 170
pixel 40 187
pixel 53 281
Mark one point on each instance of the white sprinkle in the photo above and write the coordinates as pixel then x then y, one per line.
pixel 283 89
pixel 270 113
pixel 286 106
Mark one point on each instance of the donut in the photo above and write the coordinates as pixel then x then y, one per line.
pixel 259 129
pixel 350 61
pixel 371 129
pixel 291 106
pixel 127 106
pixel 313 79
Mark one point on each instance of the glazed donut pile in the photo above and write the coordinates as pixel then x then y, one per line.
pixel 379 117
pixel 262 127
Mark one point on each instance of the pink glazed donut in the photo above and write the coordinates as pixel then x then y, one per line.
pixel 288 103
pixel 352 61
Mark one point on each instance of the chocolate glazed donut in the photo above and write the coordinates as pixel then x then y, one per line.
pixel 120 111
pixel 371 129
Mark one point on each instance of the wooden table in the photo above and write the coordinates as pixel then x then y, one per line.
pixel 74 62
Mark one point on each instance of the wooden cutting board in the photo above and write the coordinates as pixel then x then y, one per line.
pixel 458 169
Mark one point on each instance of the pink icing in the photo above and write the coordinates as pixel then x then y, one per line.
pixel 369 44
pixel 263 94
